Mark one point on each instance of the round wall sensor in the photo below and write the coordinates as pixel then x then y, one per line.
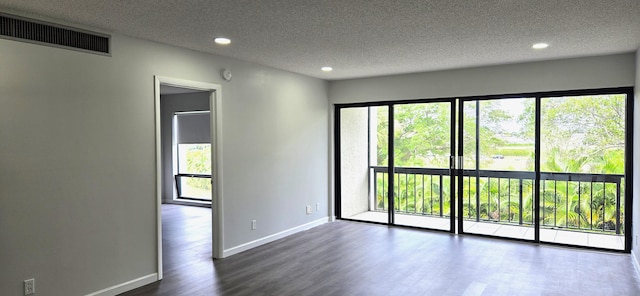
pixel 226 74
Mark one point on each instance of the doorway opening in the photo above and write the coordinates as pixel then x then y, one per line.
pixel 188 152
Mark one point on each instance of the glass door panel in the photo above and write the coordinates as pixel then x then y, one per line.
pixel 497 180
pixel 582 166
pixel 545 169
pixel 423 185
pixel 364 173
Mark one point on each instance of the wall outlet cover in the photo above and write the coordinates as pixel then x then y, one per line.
pixel 29 287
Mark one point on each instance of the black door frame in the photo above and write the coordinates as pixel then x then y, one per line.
pixel 460 157
pixel 391 159
pixel 456 168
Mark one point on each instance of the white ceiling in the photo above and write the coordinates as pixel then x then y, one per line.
pixel 362 38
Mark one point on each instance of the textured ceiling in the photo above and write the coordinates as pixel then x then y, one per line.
pixel 362 38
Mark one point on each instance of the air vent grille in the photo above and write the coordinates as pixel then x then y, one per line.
pixel 23 29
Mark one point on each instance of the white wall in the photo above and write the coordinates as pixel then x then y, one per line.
pixel 169 104
pixel 568 74
pixel 77 158
pixel 635 246
pixel 354 161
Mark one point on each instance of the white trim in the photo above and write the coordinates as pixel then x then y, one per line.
pixel 215 104
pixel 127 286
pixel 217 199
pixel 158 116
pixel 331 198
pixel 274 237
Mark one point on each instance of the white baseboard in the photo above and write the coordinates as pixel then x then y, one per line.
pixel 273 237
pixel 128 286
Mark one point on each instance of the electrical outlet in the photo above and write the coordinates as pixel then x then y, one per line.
pixel 308 210
pixel 254 224
pixel 317 207
pixel 29 287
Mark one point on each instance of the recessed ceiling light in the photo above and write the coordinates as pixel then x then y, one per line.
pixel 222 40
pixel 540 45
pixel 327 69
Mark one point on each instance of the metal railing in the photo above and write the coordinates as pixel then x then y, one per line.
pixel 583 202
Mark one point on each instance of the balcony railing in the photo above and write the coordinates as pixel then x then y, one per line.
pixel 573 201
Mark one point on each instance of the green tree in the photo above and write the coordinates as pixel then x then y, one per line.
pixel 422 133
pixel 578 135
pixel 199 162
pixel 583 134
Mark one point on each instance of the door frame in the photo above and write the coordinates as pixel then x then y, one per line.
pixel 460 161
pixel 453 193
pixel 215 104
pixel 458 169
pixel 629 146
pixel 391 159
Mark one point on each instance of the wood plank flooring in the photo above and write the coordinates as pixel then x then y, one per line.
pixel 352 258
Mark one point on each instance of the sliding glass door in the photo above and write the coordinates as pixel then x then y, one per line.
pixel 497 177
pixel 364 173
pixel 422 146
pixel 410 184
pixel 583 165
pixel 543 167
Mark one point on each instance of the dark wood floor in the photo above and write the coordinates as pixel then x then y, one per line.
pixel 351 258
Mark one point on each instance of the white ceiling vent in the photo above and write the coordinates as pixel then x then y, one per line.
pixel 43 33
